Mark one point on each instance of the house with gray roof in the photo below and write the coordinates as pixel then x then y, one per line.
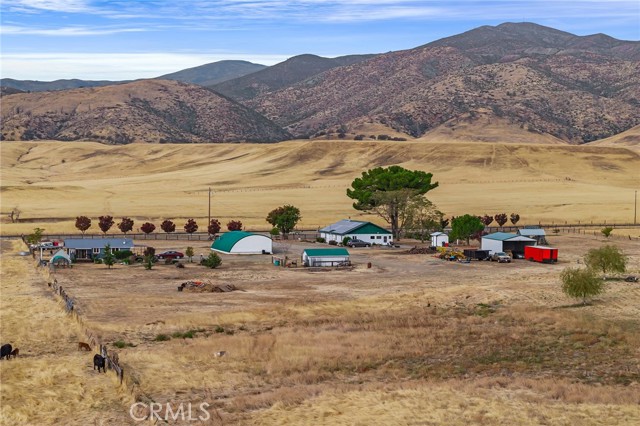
pixel 80 249
pixel 365 231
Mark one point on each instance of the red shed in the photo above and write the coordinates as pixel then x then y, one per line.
pixel 541 254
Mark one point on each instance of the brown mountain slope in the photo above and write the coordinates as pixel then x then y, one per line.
pixel 147 110
pixel 574 88
pixel 284 74
pixel 629 138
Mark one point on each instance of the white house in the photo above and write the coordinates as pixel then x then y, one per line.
pixel 503 241
pixel 241 242
pixel 365 231
pixel 325 257
pixel 439 239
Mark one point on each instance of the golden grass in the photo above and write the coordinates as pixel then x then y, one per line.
pixel 50 382
pixel 53 182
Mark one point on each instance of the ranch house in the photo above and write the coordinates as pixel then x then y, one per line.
pixel 80 249
pixel 241 242
pixel 504 241
pixel 365 231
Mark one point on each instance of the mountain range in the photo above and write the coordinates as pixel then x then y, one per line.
pixel 538 82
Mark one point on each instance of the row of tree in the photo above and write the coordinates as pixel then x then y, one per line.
pixel 283 219
pixel 83 223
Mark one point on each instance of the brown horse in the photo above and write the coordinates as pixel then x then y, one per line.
pixel 85 346
pixel 14 353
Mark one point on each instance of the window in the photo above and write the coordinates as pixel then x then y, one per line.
pixel 115 249
pixel 373 237
pixel 96 250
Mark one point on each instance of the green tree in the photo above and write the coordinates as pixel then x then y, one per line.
pixel 464 227
pixel 423 218
pixel 213 261
pixel 389 193
pixel 606 231
pixel 606 259
pixel 284 218
pixel 189 252
pixel 35 237
pixel 108 259
pixel 149 254
pixel 581 283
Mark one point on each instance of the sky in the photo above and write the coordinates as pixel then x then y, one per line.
pixel 129 39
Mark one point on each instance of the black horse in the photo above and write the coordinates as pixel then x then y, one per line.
pixel 98 361
pixel 5 351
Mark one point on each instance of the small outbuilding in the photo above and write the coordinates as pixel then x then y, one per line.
pixel 80 249
pixel 536 233
pixel 365 231
pixel 325 257
pixel 439 239
pixel 241 242
pixel 60 259
pixel 505 241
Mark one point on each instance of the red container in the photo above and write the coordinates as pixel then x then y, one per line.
pixel 541 254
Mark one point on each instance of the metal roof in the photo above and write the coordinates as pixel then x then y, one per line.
pixel 506 236
pixel 229 239
pixel 347 226
pixel 538 232
pixel 326 252
pixel 91 243
pixel 435 234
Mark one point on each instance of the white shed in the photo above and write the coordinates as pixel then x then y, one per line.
pixel 325 257
pixel 438 239
pixel 241 242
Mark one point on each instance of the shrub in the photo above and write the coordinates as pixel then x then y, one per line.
pixel 320 240
pixel 122 344
pixel 162 338
pixel 212 261
pixel 122 254
pixel 345 240
pixel 219 329
pixel 607 231
pixel 581 283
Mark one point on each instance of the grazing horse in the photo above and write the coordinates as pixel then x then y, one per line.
pixel 14 353
pixel 5 351
pixel 85 346
pixel 98 361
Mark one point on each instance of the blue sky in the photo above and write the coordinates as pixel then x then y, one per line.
pixel 128 39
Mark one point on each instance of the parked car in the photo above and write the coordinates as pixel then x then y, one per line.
pixel 171 254
pixel 358 243
pixel 501 257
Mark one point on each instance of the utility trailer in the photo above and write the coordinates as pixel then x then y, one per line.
pixel 542 254
pixel 474 254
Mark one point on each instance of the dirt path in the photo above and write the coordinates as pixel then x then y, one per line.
pixel 50 382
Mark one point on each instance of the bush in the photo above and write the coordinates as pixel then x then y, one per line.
pixel 320 240
pixel 162 338
pixel 219 329
pixel 333 243
pixel 274 232
pixel 581 283
pixel 122 254
pixel 213 261
pixel 122 344
pixel 607 231
pixel 345 240
pixel 606 259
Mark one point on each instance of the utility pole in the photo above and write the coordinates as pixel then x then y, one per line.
pixel 209 222
pixel 635 207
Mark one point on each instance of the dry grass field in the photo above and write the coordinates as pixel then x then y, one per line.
pixel 412 340
pixel 53 182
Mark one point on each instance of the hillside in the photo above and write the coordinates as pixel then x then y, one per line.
pixel 55 181
pixel 143 111
pixel 284 74
pixel 215 72
pixel 545 81
pixel 46 86
pixel 629 139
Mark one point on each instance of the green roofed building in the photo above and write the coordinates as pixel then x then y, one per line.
pixel 325 257
pixel 355 229
pixel 241 242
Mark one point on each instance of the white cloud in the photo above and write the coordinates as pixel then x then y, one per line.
pixel 114 66
pixel 65 31
pixel 75 6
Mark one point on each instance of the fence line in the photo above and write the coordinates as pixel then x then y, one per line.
pixel 93 340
